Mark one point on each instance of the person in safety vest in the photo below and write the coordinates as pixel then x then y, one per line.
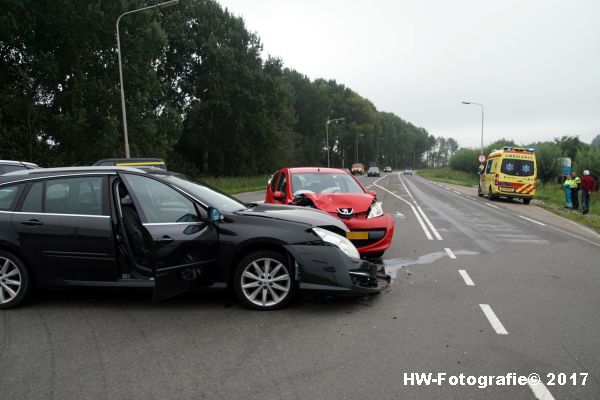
pixel 575 185
pixel 567 189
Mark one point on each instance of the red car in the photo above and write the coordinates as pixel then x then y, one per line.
pixel 341 195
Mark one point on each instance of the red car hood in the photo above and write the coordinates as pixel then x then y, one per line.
pixel 359 202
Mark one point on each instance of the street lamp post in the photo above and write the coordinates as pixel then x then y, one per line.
pixel 480 105
pixel 378 139
pixel 327 135
pixel 125 136
pixel 357 135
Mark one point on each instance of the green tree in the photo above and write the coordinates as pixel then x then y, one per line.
pixel 465 159
pixel 548 157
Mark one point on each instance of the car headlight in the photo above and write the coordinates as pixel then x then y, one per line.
pixel 340 242
pixel 376 210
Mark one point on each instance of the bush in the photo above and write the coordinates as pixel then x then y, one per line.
pixel 465 160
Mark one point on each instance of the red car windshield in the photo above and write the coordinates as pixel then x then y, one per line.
pixel 320 182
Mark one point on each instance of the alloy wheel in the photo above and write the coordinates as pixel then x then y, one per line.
pixel 265 282
pixel 10 280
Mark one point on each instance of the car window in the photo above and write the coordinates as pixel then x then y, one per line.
pixel 316 182
pixel 8 196
pixel 282 184
pixel 274 181
pixel 33 200
pixel 160 203
pixel 488 167
pixel 74 196
pixel 517 167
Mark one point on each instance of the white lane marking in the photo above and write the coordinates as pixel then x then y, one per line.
pixel 435 232
pixel 259 201
pixel 457 192
pixel 449 252
pixel 431 227
pixel 466 277
pixel 531 220
pixel 413 209
pixel 494 321
pixel 399 214
pixel 491 205
pixel 540 391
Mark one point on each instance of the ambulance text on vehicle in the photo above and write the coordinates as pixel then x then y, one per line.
pixel 510 172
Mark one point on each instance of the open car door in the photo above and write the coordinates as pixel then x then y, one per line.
pixel 182 245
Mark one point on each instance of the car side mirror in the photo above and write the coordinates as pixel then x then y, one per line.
pixel 214 215
pixel 278 195
pixel 373 193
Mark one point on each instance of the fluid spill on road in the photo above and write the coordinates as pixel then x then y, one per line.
pixel 393 265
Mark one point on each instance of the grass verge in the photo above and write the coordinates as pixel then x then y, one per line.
pixel 550 196
pixel 237 184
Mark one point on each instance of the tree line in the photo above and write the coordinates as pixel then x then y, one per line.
pixel 198 94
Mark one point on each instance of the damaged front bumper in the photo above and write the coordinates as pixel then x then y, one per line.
pixel 327 270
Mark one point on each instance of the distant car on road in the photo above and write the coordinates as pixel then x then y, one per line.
pixel 387 169
pixel 7 166
pixel 373 171
pixel 341 195
pixel 358 169
pixel 408 171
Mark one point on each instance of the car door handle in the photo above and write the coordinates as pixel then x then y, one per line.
pixel 165 239
pixel 33 222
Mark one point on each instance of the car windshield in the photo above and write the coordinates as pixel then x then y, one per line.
pixel 323 182
pixel 517 167
pixel 210 196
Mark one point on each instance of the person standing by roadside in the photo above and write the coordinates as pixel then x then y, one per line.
pixel 588 185
pixel 567 189
pixel 575 184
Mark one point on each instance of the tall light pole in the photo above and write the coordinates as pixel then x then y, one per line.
pixel 378 139
pixel 357 135
pixel 327 134
pixel 480 105
pixel 125 136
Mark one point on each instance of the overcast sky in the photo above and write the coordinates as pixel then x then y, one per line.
pixel 535 65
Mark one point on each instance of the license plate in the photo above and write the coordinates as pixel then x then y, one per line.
pixel 357 235
pixel 507 189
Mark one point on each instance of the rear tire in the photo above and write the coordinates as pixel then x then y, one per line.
pixel 491 194
pixel 14 281
pixel 264 280
pixel 479 191
pixel 526 201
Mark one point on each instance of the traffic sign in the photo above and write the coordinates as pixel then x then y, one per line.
pixel 481 158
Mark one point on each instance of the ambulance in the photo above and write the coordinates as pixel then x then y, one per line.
pixel 510 172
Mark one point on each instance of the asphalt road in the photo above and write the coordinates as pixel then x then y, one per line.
pixel 533 307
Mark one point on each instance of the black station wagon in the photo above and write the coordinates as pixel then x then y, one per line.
pixel 126 227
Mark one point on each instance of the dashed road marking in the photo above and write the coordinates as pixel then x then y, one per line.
pixel 540 391
pixel 449 252
pixel 466 277
pixel 532 220
pixel 494 321
pixel 457 192
pixel 491 205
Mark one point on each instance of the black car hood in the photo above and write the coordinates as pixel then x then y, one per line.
pixel 303 215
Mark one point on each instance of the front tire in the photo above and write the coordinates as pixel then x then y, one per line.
pixel 479 191
pixel 14 281
pixel 264 280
